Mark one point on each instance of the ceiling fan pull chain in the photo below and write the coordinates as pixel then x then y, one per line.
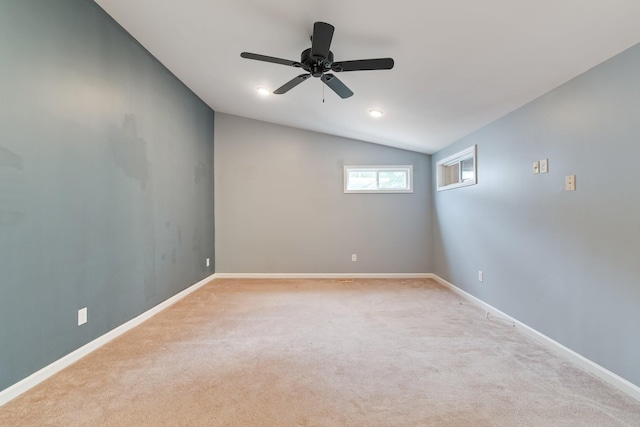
pixel 323 94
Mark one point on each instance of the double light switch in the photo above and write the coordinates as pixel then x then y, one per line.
pixel 541 167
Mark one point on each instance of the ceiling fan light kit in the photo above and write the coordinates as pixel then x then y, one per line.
pixel 318 62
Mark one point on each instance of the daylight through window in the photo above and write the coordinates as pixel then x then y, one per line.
pixel 458 170
pixel 378 179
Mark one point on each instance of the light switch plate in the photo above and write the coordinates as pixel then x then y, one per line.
pixel 536 167
pixel 544 165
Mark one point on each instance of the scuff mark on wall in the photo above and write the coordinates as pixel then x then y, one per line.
pixel 201 173
pixel 12 211
pixel 9 159
pixel 130 151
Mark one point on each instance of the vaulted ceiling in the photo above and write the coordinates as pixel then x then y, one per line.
pixel 459 64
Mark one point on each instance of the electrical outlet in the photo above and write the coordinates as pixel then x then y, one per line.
pixel 480 276
pixel 536 167
pixel 354 257
pixel 208 262
pixel 544 165
pixel 82 316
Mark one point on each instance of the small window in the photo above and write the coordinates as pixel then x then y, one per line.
pixel 378 179
pixel 458 170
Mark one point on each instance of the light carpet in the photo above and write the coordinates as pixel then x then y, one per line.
pixel 322 353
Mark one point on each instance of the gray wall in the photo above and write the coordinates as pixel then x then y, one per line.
pixel 565 263
pixel 106 176
pixel 280 206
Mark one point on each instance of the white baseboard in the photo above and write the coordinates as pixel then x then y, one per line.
pixel 36 378
pixel 323 275
pixel 577 359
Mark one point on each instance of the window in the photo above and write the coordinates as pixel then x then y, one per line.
pixel 458 170
pixel 378 179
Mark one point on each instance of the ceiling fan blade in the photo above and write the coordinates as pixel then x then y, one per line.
pixel 265 58
pixel 321 40
pixel 291 84
pixel 363 64
pixel 336 85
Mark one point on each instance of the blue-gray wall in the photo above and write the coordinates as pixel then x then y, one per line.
pixel 106 181
pixel 565 263
pixel 280 205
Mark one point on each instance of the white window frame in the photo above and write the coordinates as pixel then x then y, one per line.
pixel 443 165
pixel 377 170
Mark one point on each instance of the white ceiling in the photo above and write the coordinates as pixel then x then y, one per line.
pixel 459 64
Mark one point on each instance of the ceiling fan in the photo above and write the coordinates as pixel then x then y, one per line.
pixel 317 61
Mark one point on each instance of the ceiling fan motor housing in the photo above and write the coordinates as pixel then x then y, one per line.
pixel 316 65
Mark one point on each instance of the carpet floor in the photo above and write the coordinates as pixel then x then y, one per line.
pixel 322 353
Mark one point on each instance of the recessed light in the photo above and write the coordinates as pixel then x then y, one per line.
pixel 263 91
pixel 375 113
